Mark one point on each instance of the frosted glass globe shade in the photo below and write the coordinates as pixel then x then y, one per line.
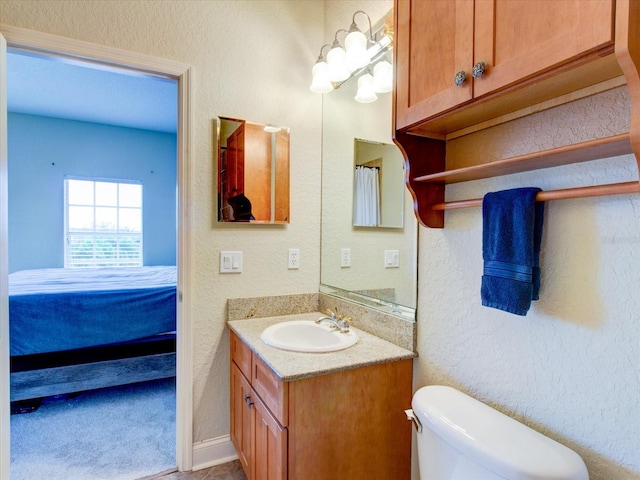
pixel 320 82
pixel 366 93
pixel 356 48
pixel 383 77
pixel 337 61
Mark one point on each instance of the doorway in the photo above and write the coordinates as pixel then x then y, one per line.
pixel 107 58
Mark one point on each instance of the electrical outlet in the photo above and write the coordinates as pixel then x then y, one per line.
pixel 294 259
pixel 345 257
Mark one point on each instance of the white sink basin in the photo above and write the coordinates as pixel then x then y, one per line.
pixel 307 336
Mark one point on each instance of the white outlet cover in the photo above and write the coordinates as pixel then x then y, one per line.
pixel 345 257
pixel 294 259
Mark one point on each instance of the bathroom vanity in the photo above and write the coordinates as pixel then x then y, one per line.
pixel 319 415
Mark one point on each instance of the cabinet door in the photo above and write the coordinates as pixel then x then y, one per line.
pixel 434 41
pixel 235 162
pixel 270 452
pixel 258 168
pixel 241 418
pixel 518 40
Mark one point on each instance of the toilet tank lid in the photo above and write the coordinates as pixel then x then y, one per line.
pixel 494 440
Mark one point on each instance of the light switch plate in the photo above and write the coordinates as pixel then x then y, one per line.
pixel 391 258
pixel 230 262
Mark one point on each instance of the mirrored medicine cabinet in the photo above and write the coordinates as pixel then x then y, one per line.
pixel 253 172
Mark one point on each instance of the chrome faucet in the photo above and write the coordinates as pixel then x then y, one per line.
pixel 340 322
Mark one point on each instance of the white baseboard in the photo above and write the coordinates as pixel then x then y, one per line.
pixel 213 452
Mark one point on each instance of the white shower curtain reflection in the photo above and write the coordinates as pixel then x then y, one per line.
pixel 366 204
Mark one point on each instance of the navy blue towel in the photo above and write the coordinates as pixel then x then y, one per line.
pixel 511 236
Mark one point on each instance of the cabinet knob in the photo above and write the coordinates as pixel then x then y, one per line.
pixel 460 78
pixel 248 401
pixel 478 70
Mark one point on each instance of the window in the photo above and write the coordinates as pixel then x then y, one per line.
pixel 103 223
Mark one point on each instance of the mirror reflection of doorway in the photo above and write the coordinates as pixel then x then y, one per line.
pixel 111 418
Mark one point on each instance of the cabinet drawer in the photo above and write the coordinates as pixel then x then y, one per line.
pixel 241 355
pixel 272 391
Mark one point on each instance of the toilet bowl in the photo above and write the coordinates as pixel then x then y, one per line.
pixel 460 438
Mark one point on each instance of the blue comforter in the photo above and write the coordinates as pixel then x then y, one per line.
pixel 62 309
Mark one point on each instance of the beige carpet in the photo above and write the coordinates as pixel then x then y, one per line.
pixel 119 433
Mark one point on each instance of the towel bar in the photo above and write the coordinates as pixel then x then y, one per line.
pixel 578 192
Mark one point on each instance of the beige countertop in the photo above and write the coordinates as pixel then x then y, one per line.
pixel 288 366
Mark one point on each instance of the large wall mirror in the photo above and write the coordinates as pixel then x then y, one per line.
pixel 253 172
pixel 382 261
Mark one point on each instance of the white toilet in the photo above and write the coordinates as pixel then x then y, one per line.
pixel 460 438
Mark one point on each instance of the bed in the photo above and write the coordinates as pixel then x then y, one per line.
pixel 80 329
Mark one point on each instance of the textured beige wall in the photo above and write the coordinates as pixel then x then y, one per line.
pixel 251 60
pixel 570 368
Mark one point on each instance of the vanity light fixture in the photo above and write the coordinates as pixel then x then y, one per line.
pixel 355 60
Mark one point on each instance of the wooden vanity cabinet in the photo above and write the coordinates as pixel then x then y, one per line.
pixel 516 41
pixel 348 424
pixel 242 417
pixel 259 438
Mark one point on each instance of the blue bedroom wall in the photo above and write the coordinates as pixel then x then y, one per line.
pixel 43 150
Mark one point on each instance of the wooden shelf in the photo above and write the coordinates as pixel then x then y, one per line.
pixel 579 152
pixel 428 176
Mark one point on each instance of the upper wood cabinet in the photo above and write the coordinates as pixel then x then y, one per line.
pixel 535 54
pixel 513 42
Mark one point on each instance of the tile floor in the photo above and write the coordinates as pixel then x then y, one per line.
pixel 227 471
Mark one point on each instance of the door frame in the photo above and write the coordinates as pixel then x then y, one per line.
pixel 54 45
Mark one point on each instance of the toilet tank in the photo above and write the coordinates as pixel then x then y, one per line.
pixel 465 439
